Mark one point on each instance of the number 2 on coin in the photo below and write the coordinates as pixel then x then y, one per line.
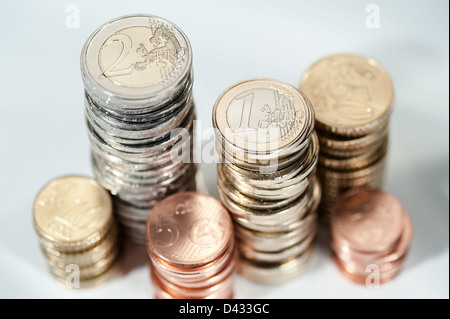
pixel 126 44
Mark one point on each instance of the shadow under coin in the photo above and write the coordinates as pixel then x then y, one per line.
pixel 132 256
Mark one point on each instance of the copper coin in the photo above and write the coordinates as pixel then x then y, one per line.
pixel 195 276
pixel 228 269
pixel 161 293
pixel 361 267
pixel 384 276
pixel 195 292
pixel 350 93
pixel 167 290
pixel 188 229
pixel 345 253
pixel 368 220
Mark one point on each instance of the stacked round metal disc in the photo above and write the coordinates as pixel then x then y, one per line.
pixel 137 76
pixel 352 97
pixel 265 139
pixel 190 241
pixel 371 233
pixel 73 217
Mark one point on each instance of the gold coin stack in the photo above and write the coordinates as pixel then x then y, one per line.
pixel 352 98
pixel 371 233
pixel 191 245
pixel 264 137
pixel 73 218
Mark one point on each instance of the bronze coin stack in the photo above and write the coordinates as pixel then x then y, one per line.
pixel 191 245
pixel 137 75
pixel 352 97
pixel 73 218
pixel 371 233
pixel 268 152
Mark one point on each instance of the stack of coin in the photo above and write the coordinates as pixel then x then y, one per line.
pixel 268 152
pixel 138 79
pixel 73 217
pixel 371 233
pixel 352 98
pixel 190 241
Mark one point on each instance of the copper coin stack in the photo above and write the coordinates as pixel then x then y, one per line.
pixel 371 233
pixel 352 98
pixel 137 75
pixel 268 152
pixel 191 245
pixel 73 218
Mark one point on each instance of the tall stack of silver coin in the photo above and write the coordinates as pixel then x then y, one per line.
pixel 268 152
pixel 137 75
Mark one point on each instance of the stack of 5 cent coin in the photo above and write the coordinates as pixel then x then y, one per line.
pixel 352 97
pixel 268 153
pixel 73 217
pixel 371 233
pixel 190 241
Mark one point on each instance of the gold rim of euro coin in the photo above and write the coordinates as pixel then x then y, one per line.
pixel 282 177
pixel 267 193
pixel 72 213
pixel 231 192
pixel 297 221
pixel 260 166
pixel 350 93
pixel 274 273
pixel 276 241
pixel 271 217
pixel 304 242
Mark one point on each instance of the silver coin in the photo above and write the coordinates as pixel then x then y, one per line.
pixel 278 256
pixel 135 60
pixel 137 75
pixel 289 225
pixel 277 241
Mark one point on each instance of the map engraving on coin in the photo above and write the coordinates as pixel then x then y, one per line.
pixel 261 114
pixel 137 57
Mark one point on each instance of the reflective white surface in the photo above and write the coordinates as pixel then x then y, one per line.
pixel 43 133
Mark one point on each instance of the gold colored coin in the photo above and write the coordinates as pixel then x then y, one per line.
pixel 365 142
pixel 350 93
pixel 356 162
pixel 89 272
pixel 72 213
pixel 86 257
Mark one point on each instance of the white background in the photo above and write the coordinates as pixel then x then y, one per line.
pixel 43 133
